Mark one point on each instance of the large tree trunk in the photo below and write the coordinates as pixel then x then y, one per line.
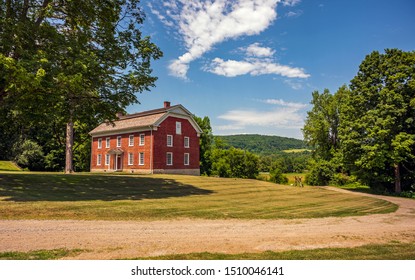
pixel 69 147
pixel 397 178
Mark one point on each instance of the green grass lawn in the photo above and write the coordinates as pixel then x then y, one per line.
pixel 8 166
pixel 391 251
pixel 153 197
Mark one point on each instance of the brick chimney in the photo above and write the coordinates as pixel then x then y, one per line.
pixel 166 104
pixel 119 115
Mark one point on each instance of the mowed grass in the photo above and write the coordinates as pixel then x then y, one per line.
pixel 155 197
pixel 40 254
pixel 8 166
pixel 392 251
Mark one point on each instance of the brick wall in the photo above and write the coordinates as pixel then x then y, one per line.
pixel 160 150
pixel 168 127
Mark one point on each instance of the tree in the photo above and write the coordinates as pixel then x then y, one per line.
pixel 322 123
pixel 377 129
pixel 75 60
pixel 277 176
pixel 206 142
pixel 321 131
pixel 234 163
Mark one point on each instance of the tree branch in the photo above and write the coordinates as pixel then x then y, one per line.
pixel 42 12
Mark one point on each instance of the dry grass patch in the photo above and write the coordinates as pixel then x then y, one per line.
pixel 155 197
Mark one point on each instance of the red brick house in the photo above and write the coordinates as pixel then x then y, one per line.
pixel 164 140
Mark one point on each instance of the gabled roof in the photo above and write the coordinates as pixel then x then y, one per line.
pixel 144 121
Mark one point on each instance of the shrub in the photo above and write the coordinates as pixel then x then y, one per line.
pixel 277 177
pixel 28 154
pixel 321 173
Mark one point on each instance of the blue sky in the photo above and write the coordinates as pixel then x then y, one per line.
pixel 251 65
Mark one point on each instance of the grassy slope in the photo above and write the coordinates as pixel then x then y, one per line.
pixel 8 166
pixel 96 196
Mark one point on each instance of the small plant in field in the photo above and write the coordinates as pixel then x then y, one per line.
pixel 277 177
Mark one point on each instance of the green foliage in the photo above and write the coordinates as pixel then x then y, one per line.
pixel 234 163
pixel 368 130
pixel 69 62
pixel 377 120
pixel 262 144
pixel 321 173
pixel 322 123
pixel 276 176
pixel 206 142
pixel 29 155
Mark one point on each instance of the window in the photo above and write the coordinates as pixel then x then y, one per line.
pixel 130 159
pixel 169 157
pixel 118 141
pixel 99 143
pixel 99 159
pixel 141 158
pixel 169 140
pixel 107 142
pixel 186 142
pixel 142 139
pixel 131 140
pixel 107 159
pixel 186 159
pixel 178 128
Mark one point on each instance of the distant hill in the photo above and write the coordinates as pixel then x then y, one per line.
pixel 262 144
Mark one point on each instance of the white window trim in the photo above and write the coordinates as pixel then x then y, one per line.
pixel 178 128
pixel 130 159
pixel 99 143
pixel 131 140
pixel 141 160
pixel 142 139
pixel 107 142
pixel 187 141
pixel 167 159
pixel 99 159
pixel 107 159
pixel 119 141
pixel 171 142
pixel 186 155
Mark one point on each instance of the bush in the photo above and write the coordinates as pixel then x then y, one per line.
pixel 408 194
pixel 28 154
pixel 277 177
pixel 321 173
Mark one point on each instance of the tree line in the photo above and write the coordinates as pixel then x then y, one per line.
pixel 221 158
pixel 366 131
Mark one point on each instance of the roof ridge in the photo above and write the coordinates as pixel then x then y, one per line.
pixel 149 112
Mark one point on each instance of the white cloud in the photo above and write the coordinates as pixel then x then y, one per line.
pixel 294 84
pixel 283 115
pixel 292 14
pixel 203 24
pixel 254 67
pixel 281 102
pixel 256 50
pixel 290 3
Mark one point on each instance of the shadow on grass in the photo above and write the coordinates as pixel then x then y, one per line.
pixel 362 189
pixel 59 187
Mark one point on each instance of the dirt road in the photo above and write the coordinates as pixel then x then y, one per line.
pixel 128 239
